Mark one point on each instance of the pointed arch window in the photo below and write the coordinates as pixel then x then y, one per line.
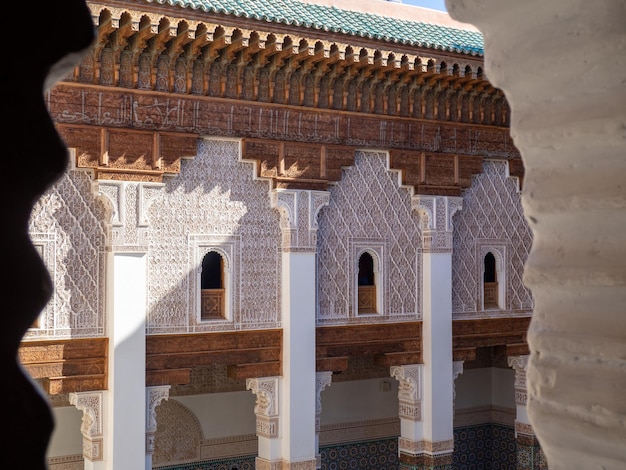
pixel 212 286
pixel 490 282
pixel 366 284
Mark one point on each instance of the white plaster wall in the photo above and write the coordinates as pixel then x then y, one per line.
pixel 215 200
pixel 66 438
pixel 488 386
pixel 223 414
pixel 368 210
pixel 67 228
pixel 359 400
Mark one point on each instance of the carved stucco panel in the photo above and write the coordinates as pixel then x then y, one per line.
pixel 178 435
pixel 298 217
pixel 368 204
pixel 492 210
pixel 67 227
pixel 215 197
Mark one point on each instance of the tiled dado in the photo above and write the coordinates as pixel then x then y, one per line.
pixel 484 447
pixel 529 453
pixel 373 455
pixel 239 463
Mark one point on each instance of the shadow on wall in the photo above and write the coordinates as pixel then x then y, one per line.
pixel 37 157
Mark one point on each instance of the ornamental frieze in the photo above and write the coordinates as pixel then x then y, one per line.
pixel 84 105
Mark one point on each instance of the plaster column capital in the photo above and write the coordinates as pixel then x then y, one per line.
pixel 409 391
pixel 91 404
pixel 436 214
pixel 322 380
pixel 520 364
pixel 266 406
pixel 298 210
pixel 154 396
pixel 127 203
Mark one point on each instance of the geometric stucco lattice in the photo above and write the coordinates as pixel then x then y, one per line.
pixel 492 215
pixel 368 204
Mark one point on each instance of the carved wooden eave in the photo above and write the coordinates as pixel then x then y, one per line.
pixel 128 154
pixel 247 354
pixel 64 366
pixel 509 334
pixel 159 77
pixel 386 343
pixel 298 165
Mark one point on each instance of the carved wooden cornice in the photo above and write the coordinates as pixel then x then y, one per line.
pixel 159 77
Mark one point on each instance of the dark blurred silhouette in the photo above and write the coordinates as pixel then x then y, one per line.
pixel 34 157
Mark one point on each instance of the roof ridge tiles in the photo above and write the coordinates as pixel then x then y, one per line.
pixel 354 23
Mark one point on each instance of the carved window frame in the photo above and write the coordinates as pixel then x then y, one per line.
pixel 228 247
pixel 225 285
pixel 376 249
pixel 499 251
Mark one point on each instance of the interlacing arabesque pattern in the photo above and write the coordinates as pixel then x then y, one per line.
pixel 178 434
pixel 67 226
pixel 368 204
pixel 215 195
pixel 492 210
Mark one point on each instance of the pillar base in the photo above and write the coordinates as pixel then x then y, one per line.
pixel 425 462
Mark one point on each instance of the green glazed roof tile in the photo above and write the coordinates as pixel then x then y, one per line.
pixel 294 12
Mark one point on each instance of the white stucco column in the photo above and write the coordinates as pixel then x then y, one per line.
pixel 298 222
pixel 126 276
pixel 438 380
pixel 126 326
pixel 561 67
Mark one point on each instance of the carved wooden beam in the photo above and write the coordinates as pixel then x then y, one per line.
pixel 388 344
pixel 124 154
pixel 246 354
pixel 63 366
pixel 469 335
pixel 435 173
pixel 298 165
